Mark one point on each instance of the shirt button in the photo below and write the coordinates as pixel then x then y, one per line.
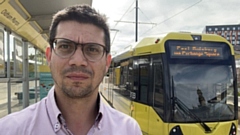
pixel 57 126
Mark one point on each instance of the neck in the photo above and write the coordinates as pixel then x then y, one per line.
pixel 79 114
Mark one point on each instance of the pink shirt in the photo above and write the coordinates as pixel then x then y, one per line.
pixel 44 118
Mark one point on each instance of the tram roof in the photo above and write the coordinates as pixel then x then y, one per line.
pixel 31 19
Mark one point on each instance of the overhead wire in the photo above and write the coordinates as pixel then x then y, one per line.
pixel 124 14
pixel 172 16
pixel 149 19
pixel 120 20
pixel 146 16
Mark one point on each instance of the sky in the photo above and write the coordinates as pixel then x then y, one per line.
pixel 158 17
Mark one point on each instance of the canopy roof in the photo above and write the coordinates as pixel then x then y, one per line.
pixel 31 19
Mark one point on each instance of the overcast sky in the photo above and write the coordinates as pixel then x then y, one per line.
pixel 163 16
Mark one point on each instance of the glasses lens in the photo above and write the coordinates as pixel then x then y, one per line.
pixel 93 51
pixel 64 48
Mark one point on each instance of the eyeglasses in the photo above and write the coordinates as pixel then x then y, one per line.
pixel 65 48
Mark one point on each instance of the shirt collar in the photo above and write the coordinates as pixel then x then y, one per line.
pixel 55 114
pixel 100 113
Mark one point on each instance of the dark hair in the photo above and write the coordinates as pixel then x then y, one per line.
pixel 81 14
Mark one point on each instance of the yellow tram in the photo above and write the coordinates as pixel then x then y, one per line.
pixel 177 84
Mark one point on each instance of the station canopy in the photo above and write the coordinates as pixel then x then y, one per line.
pixel 41 11
pixel 31 18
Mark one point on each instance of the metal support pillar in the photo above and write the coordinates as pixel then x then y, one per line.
pixel 25 85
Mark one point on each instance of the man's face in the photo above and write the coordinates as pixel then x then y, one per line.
pixel 76 76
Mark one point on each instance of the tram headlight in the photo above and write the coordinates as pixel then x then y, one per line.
pixel 176 131
pixel 233 130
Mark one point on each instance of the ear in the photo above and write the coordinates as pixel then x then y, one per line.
pixel 109 59
pixel 48 54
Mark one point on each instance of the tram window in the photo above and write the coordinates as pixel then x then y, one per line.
pixel 124 78
pixel 130 75
pixel 124 75
pixel 143 81
pixel 158 88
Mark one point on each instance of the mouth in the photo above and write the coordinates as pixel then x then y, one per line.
pixel 77 76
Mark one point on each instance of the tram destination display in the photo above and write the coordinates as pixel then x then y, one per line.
pixel 196 51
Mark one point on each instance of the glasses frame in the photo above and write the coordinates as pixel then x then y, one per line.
pixel 76 46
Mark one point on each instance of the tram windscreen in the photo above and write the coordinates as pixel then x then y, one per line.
pixel 202 84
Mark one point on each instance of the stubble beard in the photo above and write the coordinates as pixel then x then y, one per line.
pixel 77 91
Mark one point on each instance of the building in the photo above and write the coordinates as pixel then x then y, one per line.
pixel 230 32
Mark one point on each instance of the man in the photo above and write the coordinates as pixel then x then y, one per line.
pixel 78 58
pixel 201 99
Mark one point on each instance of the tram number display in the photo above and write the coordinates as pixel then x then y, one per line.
pixel 191 51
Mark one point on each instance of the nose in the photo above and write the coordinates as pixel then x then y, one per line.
pixel 78 58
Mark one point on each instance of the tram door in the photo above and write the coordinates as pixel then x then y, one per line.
pixel 141 108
